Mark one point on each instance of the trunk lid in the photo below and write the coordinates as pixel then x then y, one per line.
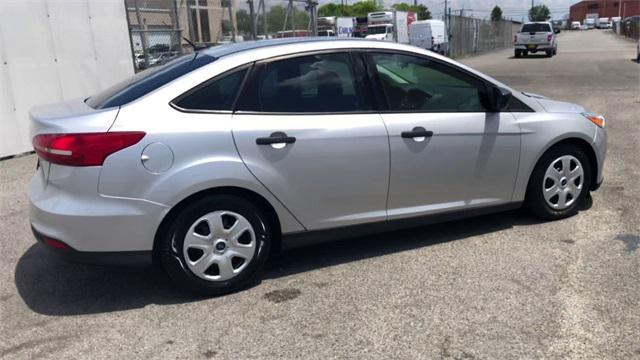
pixel 73 116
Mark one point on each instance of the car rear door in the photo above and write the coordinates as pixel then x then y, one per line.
pixel 447 151
pixel 306 127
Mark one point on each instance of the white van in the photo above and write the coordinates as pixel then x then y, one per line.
pixel 430 35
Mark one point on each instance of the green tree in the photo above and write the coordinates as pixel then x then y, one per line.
pixel 496 13
pixel 243 21
pixel 362 8
pixel 421 11
pixel 330 9
pixel 275 18
pixel 277 14
pixel 539 13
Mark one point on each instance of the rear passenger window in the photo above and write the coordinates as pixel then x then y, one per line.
pixel 322 83
pixel 218 94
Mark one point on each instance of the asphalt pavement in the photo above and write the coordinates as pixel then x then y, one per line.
pixel 498 286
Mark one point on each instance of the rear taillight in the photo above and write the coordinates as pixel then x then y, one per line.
pixel 83 149
pixel 549 37
pixel 53 243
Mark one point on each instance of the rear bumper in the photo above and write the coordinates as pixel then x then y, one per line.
pixel 117 258
pixel 93 223
pixel 538 47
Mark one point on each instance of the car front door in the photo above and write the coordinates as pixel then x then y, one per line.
pixel 306 128
pixel 447 151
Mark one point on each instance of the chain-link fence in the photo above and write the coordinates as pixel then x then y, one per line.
pixel 471 36
pixel 163 29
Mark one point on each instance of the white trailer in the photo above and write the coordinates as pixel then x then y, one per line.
pixel 345 26
pixel 389 26
pixel 335 26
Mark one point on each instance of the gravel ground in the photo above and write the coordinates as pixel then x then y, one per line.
pixel 499 286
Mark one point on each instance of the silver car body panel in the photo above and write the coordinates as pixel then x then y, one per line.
pixel 343 169
pixel 335 174
pixel 471 160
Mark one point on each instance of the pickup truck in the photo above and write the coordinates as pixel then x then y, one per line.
pixel 534 37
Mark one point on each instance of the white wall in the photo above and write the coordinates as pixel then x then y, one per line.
pixel 56 50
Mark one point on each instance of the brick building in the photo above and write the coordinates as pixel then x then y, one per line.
pixel 604 8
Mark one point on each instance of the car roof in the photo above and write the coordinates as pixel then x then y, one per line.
pixel 234 48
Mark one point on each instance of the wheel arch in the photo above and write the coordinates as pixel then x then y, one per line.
pixel 581 144
pixel 257 199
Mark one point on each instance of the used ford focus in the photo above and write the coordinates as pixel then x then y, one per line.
pixel 206 164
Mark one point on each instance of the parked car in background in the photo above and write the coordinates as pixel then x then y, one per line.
pixel 140 62
pixel 208 163
pixel 161 58
pixel 590 23
pixel 535 37
pixel 430 35
pixel 575 25
pixel 603 23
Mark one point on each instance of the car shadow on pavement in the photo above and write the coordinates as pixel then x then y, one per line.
pixel 322 255
pixel 54 287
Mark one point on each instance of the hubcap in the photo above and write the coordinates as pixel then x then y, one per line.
pixel 219 245
pixel 563 182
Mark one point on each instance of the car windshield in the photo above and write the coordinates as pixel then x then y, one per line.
pixel 146 81
pixel 536 28
pixel 377 30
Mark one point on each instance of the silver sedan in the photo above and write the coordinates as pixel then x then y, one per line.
pixel 208 164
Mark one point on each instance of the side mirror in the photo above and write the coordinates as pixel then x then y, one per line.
pixel 498 98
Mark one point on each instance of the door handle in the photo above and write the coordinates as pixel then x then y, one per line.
pixel 417 132
pixel 277 137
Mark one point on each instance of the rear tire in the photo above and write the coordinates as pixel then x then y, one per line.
pixel 559 183
pixel 216 245
pixel 518 54
pixel 549 53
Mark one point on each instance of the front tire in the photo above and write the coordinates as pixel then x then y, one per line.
pixel 559 183
pixel 216 245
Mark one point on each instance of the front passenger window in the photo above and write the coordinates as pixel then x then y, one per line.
pixel 418 84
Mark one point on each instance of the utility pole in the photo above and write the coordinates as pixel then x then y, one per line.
pixel 264 17
pixel 252 20
pixel 446 25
